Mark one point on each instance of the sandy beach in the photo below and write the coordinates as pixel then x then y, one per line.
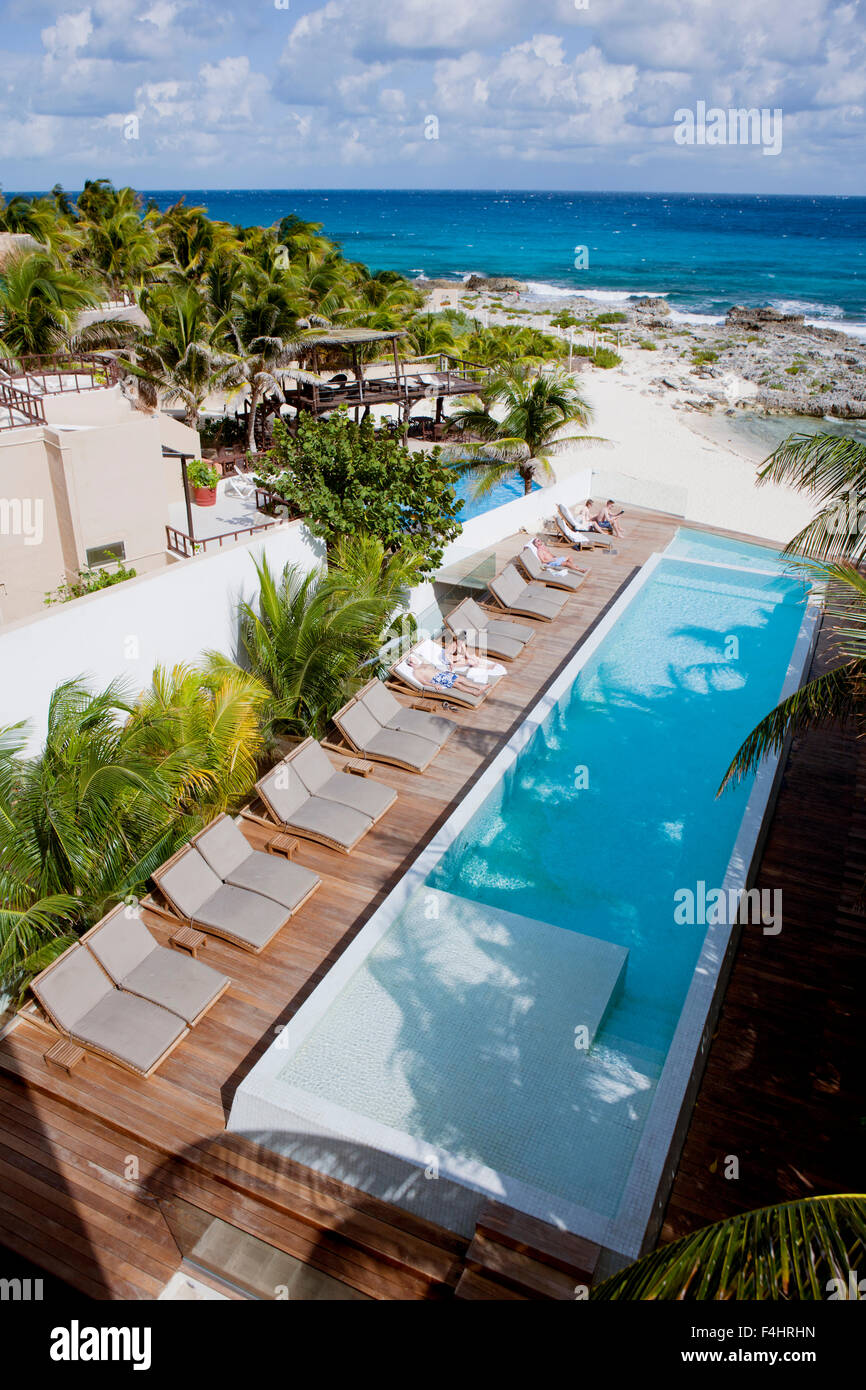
pixel 661 450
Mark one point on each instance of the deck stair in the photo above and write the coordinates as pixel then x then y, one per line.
pixel 516 1256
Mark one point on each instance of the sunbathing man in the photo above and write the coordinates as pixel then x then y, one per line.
pixel 427 674
pixel 555 562
pixel 608 520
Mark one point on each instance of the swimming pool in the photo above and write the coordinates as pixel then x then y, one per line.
pixel 506 491
pixel 522 1016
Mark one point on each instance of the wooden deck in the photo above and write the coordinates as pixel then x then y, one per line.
pixel 88 1163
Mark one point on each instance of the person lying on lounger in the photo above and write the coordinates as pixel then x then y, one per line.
pixel 608 520
pixel 461 658
pixel 428 674
pixel 555 562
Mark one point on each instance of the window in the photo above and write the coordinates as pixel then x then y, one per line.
pixel 106 554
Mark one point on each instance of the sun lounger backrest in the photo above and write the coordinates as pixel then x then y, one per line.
pixel 566 531
pixel 223 845
pixel 381 703
pixel 359 725
pixel 188 882
pixel 282 791
pixel 468 616
pixel 312 765
pixel 121 942
pixel 508 586
pixel 72 987
pixel 567 515
pixel 531 562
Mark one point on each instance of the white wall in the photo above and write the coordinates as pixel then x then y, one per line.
pixel 166 617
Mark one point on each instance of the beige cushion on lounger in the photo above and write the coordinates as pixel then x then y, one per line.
pixel 316 771
pixel 392 715
pixel 291 803
pixel 126 950
pixel 508 586
pixel 79 996
pixel 396 746
pixel 359 725
pixel 510 589
pixel 560 574
pixel 200 895
pixel 230 854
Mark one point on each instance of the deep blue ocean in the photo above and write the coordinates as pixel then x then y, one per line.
pixel 704 251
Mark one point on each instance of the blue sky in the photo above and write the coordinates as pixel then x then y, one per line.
pixel 522 93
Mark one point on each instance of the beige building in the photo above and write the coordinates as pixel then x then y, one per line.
pixel 85 484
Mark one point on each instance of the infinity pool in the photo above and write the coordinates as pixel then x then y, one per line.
pixel 514 1016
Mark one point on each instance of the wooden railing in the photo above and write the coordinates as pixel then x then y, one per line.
pixel 14 403
pixel 58 372
pixel 180 543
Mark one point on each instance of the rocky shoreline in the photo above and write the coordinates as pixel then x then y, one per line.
pixel 791 367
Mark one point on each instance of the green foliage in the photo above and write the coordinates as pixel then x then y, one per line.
pixel 701 355
pixel 115 790
pixel 798 1251
pixel 314 637
pixel 88 582
pixel 648 345
pixel 200 473
pixel 612 316
pixel 605 357
pixel 344 479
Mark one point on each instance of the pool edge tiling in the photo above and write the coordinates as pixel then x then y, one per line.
pixel 392 1163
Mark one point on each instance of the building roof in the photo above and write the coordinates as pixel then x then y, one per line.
pixel 350 337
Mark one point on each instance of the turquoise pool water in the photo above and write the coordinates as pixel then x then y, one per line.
pixel 462 1038
pixel 507 491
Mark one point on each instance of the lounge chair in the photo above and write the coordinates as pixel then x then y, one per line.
pixel 319 776
pixel 369 737
pixel 407 677
pixel 84 1005
pixel 229 853
pixel 198 896
pixel 388 712
pixel 571 532
pixel 500 638
pixel 525 600
pixel 559 578
pixel 292 806
pixel 139 965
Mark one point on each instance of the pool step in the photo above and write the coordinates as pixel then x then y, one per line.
pixel 514 1255
pixel 648 1060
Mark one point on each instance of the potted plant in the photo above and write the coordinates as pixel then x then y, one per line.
pixel 203 479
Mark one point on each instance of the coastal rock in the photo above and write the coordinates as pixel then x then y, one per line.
pixel 654 305
pixel 761 317
pixel 498 284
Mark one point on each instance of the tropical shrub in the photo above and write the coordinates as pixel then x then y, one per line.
pixel 88 582
pixel 345 478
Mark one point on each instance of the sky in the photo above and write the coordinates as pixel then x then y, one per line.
pixel 519 94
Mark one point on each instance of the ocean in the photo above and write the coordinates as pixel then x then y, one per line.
pixel 705 252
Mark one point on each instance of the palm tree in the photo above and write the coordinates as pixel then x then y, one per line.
pixel 313 636
pixel 82 824
pixel 836 696
pixel 40 303
pixel 431 333
pixel 122 247
pixel 179 358
pixel 212 718
pixel 832 469
pixel 263 326
pixel 533 408
pixel 806 1250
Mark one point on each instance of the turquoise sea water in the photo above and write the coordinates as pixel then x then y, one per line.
pixel 707 252
pixel 608 811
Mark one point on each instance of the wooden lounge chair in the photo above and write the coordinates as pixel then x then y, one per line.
pixel 494 636
pixel 225 847
pixel 320 777
pixel 136 963
pixel 388 712
pixel 368 737
pixel 406 677
pixel 561 578
pixel 293 806
pixel 82 1004
pixel 199 897
pixel 525 600
pixel 567 527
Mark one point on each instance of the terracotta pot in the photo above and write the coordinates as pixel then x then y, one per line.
pixel 204 496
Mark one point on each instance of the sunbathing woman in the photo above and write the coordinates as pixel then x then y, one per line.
pixel 555 562
pixel 585 518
